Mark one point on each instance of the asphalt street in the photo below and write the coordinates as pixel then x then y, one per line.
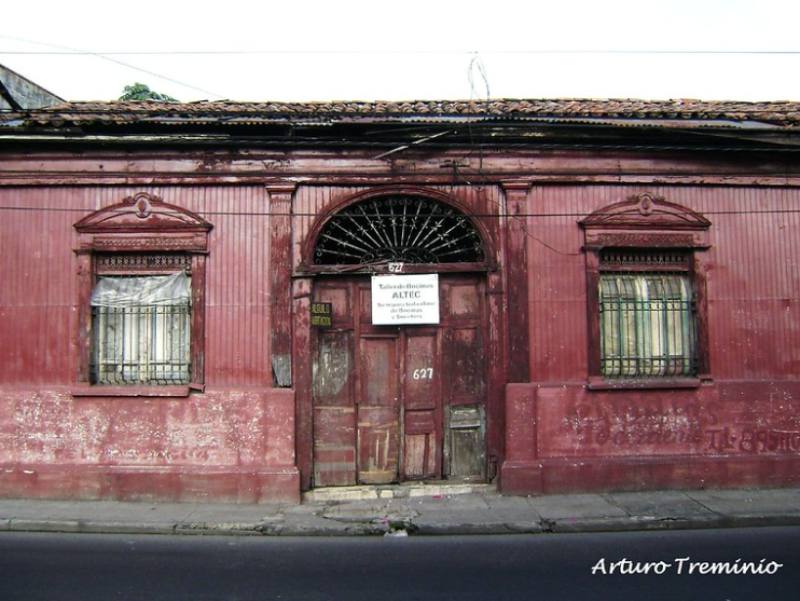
pixel 64 567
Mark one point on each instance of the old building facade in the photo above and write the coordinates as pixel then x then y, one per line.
pixel 241 301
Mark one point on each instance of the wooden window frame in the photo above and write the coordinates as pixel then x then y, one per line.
pixel 645 223
pixel 140 224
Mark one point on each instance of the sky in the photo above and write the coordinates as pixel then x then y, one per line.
pixel 431 49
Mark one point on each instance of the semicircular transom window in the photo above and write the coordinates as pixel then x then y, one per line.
pixel 405 228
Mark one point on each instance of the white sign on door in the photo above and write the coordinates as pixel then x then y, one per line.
pixel 405 299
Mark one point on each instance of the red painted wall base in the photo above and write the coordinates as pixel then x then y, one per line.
pixel 224 445
pixel 138 483
pixel 552 476
pixel 567 438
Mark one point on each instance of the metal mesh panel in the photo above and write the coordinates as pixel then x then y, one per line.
pixel 409 229
pixel 143 344
pixel 622 257
pixel 138 262
pixel 647 325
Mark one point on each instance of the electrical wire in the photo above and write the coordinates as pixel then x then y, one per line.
pixel 310 214
pixel 520 217
pixel 388 51
pixel 65 50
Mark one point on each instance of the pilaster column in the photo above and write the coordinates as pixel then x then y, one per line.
pixel 280 267
pixel 516 265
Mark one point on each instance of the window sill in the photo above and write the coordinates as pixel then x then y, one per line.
pixel 597 383
pixel 131 391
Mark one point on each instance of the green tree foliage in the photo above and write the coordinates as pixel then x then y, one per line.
pixel 140 91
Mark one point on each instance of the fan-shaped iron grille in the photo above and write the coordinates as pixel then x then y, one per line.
pixel 408 229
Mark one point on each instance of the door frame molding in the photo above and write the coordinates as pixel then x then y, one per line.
pixel 304 349
pixel 303 281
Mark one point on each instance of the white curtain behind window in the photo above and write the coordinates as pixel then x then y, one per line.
pixel 141 329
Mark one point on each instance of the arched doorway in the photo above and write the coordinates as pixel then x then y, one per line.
pixel 406 400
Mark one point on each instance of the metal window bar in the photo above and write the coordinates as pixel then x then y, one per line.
pixel 141 344
pixel 647 326
pixel 409 229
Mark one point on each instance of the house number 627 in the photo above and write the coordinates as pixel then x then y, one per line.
pixel 426 373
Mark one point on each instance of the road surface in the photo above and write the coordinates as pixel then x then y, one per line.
pixel 562 567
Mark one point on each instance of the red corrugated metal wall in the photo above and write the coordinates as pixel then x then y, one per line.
pixel 38 291
pixel 753 282
pixel 753 285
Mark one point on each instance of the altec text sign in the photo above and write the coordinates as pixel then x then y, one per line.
pixel 405 299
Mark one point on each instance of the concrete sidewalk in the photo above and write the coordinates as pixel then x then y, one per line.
pixel 422 509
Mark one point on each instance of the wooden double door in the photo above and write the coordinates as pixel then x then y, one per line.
pixel 394 403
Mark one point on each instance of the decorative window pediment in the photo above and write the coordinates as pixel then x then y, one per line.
pixel 646 298
pixel 646 211
pixel 142 213
pixel 664 224
pixel 134 341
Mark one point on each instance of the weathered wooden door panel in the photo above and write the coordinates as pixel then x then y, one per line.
pixel 334 446
pixel 463 350
pixel 463 299
pixel 378 444
pixel 465 446
pixel 421 377
pixel 332 369
pixel 399 403
pixel 333 392
pixel 378 371
pixel 422 445
pixel 465 368
pixel 378 409
pixel 339 294
pixel 364 292
pixel 422 403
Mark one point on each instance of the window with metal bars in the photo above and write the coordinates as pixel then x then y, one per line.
pixel 404 228
pixel 141 330
pixel 647 314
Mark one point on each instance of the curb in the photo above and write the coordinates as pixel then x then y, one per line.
pixel 412 528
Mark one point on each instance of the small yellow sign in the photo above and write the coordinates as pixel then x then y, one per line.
pixel 322 315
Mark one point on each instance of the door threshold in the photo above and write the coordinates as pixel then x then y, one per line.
pixel 365 492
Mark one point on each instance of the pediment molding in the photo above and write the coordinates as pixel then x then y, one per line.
pixel 142 212
pixel 645 211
